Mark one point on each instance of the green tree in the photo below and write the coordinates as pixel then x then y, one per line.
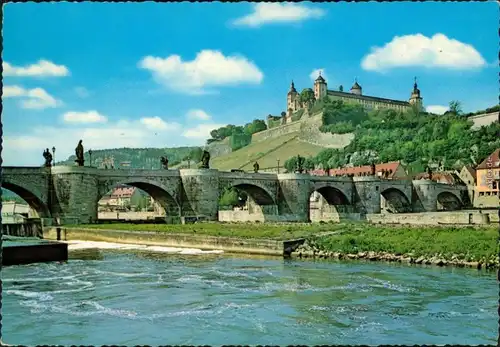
pixel 255 126
pixel 307 96
pixel 455 107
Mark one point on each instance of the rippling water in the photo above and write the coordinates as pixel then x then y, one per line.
pixel 143 298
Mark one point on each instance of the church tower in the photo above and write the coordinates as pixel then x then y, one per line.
pixel 415 98
pixel 291 100
pixel 320 87
pixel 356 88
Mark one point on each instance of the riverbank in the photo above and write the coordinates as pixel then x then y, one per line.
pixel 442 246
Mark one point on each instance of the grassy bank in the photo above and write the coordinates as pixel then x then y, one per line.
pixel 243 230
pixel 468 244
pixel 447 243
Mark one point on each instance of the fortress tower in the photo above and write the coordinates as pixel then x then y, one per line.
pixel 320 87
pixel 415 98
pixel 356 88
pixel 292 100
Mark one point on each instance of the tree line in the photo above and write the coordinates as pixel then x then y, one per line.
pixel 240 136
pixel 415 138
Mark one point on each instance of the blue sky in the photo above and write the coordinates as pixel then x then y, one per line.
pixel 164 75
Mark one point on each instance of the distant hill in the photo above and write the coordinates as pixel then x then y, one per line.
pixel 137 158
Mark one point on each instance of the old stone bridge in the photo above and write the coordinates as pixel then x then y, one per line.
pixel 71 193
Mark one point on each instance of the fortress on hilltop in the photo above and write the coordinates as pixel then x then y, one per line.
pixel 296 101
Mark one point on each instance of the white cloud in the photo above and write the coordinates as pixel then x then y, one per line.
pixel 265 13
pixel 315 73
pixel 437 109
pixel 26 148
pixel 209 68
pixel 36 98
pixel 419 50
pixel 202 131
pixel 84 117
pixel 156 123
pixel 43 68
pixel 82 92
pixel 198 114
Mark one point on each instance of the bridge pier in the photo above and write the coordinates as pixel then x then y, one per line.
pixel 74 195
pixel 426 194
pixel 200 195
pixel 367 194
pixel 294 196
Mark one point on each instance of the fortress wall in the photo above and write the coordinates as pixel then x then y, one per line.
pixel 309 132
pixel 484 119
pixel 219 148
pixel 276 132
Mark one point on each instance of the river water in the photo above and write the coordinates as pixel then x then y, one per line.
pixel 138 297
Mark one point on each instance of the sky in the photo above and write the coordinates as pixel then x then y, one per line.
pixel 165 74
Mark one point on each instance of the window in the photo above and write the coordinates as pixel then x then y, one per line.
pixel 494 185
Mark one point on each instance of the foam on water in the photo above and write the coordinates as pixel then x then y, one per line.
pixel 30 295
pixel 79 245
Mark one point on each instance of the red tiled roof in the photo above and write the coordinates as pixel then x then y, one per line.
pixel 493 160
pixel 358 170
pixel 123 192
pixel 443 177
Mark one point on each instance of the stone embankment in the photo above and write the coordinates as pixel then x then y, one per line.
pixel 308 251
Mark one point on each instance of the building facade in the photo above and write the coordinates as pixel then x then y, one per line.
pixel 390 170
pixel 488 181
pixel 355 96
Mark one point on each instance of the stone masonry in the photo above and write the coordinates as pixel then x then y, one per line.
pixel 69 194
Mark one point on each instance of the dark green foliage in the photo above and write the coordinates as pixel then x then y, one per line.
pixel 291 164
pixel 455 107
pixel 233 197
pixel 240 136
pixel 307 95
pixel 255 126
pixel 415 140
pixel 194 155
pixel 240 140
pixel 273 123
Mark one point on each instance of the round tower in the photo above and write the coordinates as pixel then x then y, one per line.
pixel 291 98
pixel 415 98
pixel 320 87
pixel 356 88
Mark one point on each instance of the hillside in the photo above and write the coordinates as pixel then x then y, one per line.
pixel 266 153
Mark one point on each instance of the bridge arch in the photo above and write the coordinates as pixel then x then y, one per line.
pixel 257 202
pixel 448 201
pixel 327 203
pixel 259 194
pixel 32 199
pixel 395 201
pixel 160 193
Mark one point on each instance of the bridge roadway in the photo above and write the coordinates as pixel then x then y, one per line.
pixel 71 193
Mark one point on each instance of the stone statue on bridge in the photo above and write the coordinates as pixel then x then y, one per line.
pixel 48 158
pixel 256 167
pixel 429 172
pixel 205 160
pixel 373 169
pixel 300 164
pixel 164 162
pixel 79 154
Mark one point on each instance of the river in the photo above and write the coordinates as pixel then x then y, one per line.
pixel 137 297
